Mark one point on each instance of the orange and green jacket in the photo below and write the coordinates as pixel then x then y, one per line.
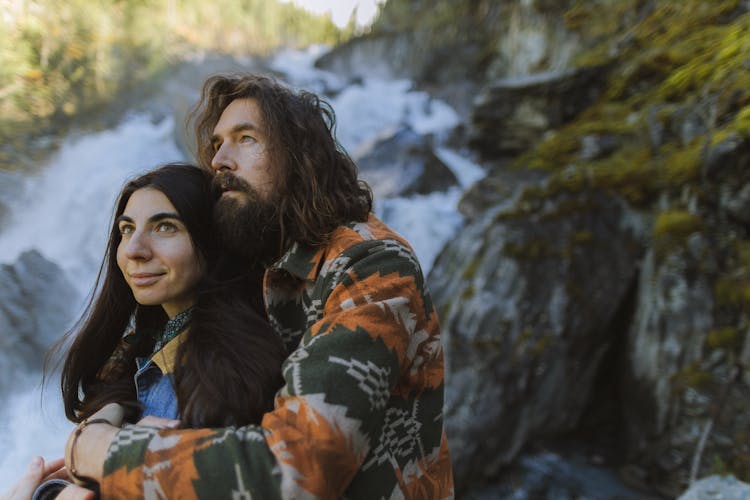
pixel 360 415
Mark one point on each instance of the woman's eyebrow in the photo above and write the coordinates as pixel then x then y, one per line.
pixel 154 218
pixel 164 215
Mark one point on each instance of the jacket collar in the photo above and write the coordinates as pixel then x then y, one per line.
pixel 302 261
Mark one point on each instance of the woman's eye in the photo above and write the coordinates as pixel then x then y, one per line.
pixel 125 229
pixel 247 139
pixel 166 227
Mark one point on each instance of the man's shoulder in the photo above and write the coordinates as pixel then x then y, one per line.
pixel 371 233
pixel 369 243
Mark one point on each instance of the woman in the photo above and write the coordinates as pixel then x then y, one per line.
pixel 164 281
pixel 198 347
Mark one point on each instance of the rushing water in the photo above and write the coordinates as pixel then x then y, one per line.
pixel 64 213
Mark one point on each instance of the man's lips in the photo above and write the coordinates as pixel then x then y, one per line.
pixel 145 279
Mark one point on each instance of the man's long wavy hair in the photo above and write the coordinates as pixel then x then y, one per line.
pixel 316 185
pixel 229 364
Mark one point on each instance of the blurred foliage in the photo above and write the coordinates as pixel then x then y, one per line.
pixel 59 59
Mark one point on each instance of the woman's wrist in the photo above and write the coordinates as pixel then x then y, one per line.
pixel 83 452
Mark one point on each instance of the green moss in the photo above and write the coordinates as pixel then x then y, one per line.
pixel 719 466
pixel 577 240
pixel 542 345
pixel 682 165
pixel 742 121
pixel 468 293
pixel 676 223
pixel 691 376
pixel 741 250
pixel 725 338
pixel 444 311
pixel 471 269
pixel 532 250
pixel 669 57
pixel 671 230
pixel 740 466
pixel 487 344
pixel 733 290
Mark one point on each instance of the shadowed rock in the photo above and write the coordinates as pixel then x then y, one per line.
pixel 527 303
pixel 511 114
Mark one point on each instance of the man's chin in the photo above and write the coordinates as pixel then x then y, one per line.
pixel 245 226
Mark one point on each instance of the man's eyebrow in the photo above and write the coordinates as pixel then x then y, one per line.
pixel 236 128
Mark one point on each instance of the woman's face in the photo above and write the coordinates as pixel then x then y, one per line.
pixel 156 254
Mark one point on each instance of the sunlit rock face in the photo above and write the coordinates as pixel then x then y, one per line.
pixel 35 301
pixel 527 304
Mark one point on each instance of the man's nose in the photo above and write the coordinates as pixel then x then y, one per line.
pixel 223 158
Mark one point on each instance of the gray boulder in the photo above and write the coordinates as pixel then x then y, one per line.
pixel 403 163
pixel 717 488
pixel 36 303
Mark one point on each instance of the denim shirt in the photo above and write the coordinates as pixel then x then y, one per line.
pixel 154 376
pixel 155 390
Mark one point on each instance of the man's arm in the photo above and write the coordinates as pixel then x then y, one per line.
pixel 328 415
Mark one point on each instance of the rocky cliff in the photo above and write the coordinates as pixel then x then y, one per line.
pixel 604 270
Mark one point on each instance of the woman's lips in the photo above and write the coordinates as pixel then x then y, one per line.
pixel 144 279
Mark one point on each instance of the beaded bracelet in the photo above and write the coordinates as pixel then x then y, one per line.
pixel 72 471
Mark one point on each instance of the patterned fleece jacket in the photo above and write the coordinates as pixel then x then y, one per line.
pixel 360 414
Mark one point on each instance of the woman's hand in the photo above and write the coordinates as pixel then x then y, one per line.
pixel 36 472
pixel 87 445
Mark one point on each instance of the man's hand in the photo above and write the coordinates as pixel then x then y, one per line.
pixel 158 422
pixel 36 472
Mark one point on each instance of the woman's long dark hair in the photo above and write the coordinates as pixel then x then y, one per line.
pixel 229 365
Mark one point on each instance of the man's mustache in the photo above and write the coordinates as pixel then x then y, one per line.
pixel 226 181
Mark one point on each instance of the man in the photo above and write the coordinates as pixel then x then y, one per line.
pixel 360 415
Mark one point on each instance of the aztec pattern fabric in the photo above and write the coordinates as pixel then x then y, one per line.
pixel 360 415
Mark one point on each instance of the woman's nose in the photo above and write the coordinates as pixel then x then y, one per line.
pixel 137 246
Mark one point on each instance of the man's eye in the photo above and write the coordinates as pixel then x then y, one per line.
pixel 247 139
pixel 166 227
pixel 216 145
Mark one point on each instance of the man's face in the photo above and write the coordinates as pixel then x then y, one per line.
pixel 245 214
pixel 240 147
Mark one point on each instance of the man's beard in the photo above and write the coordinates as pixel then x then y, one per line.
pixel 246 224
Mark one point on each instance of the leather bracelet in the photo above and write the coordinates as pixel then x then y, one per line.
pixel 72 471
